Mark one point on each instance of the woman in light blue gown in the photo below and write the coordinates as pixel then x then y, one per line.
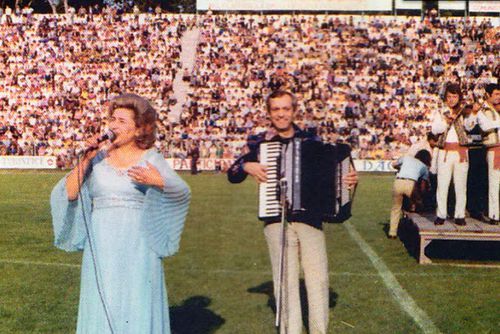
pixel 125 208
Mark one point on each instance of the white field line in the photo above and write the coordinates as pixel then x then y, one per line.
pixel 37 263
pixel 249 272
pixel 400 295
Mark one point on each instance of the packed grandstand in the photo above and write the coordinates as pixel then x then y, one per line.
pixel 371 81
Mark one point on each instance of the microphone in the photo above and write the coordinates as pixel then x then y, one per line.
pixel 108 135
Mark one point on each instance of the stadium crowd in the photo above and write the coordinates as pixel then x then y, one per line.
pixel 58 71
pixel 371 81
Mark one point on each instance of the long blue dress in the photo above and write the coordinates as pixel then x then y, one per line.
pixel 131 227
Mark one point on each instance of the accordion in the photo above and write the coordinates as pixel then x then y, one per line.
pixel 314 172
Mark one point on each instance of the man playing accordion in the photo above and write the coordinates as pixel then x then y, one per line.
pixel 305 238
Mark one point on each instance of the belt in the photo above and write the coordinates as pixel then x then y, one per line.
pixel 131 202
pixel 405 178
pixel 462 151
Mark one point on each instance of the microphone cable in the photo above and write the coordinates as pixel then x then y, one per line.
pixel 91 247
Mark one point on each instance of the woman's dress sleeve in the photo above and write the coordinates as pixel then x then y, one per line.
pixel 165 210
pixel 68 217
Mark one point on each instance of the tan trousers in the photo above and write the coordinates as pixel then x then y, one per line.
pixel 449 166
pixel 400 189
pixel 494 187
pixel 305 244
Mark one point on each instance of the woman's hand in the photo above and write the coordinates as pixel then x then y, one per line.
pixel 148 175
pixel 93 146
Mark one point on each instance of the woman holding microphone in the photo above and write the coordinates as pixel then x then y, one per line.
pixel 125 208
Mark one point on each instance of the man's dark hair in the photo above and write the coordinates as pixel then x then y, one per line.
pixel 491 87
pixel 431 136
pixel 279 93
pixel 424 156
pixel 453 88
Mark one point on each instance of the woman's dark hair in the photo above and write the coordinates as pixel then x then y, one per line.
pixel 424 156
pixel 144 117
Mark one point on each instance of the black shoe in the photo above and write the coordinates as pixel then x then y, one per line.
pixel 494 221
pixel 479 216
pixel 439 221
pixel 460 221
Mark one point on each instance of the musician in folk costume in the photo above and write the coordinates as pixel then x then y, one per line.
pixel 477 179
pixel 452 155
pixel 304 234
pixel 488 118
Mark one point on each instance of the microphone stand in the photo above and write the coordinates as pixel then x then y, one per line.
pixel 281 288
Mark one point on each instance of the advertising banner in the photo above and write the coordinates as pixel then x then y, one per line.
pixel 484 6
pixel 203 164
pixel 27 162
pixel 452 5
pixel 408 4
pixel 373 166
pixel 49 162
pixel 224 164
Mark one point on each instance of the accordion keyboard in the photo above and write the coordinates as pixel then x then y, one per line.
pixel 269 204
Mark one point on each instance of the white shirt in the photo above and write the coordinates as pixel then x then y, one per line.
pixel 484 122
pixel 439 126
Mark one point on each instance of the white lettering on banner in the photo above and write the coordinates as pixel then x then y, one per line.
pixel 27 162
pixel 374 166
pixel 210 164
pixel 179 164
pixel 203 164
pixel 484 6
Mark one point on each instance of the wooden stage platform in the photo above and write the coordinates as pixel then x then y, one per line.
pixel 427 232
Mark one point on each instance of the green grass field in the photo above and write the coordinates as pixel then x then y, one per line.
pixel 220 281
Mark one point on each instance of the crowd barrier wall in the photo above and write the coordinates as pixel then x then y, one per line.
pixel 361 165
pixel 49 162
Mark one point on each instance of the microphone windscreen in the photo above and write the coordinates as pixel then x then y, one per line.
pixel 110 135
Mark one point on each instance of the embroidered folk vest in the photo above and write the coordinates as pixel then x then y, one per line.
pixel 491 138
pixel 458 124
